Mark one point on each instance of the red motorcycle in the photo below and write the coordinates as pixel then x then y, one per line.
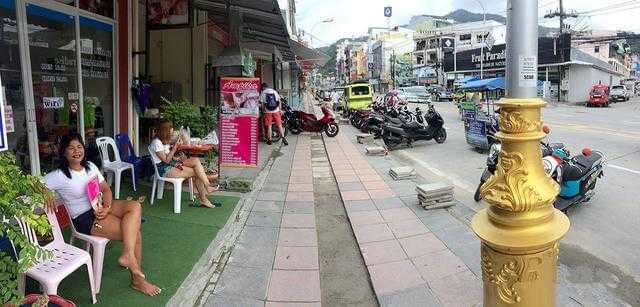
pixel 298 121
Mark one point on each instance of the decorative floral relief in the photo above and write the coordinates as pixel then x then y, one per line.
pixel 515 122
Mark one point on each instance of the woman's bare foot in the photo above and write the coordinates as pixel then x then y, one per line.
pixel 207 203
pixel 212 189
pixel 130 263
pixel 144 286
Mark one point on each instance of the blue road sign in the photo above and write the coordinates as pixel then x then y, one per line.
pixel 387 11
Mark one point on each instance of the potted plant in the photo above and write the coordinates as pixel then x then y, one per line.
pixel 20 195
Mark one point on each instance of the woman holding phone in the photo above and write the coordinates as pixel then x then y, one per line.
pixel 112 219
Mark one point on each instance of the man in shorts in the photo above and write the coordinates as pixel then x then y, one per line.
pixel 270 101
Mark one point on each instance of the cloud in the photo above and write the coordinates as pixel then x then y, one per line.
pixel 354 17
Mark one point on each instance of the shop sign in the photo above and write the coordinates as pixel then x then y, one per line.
pixel 8 118
pixel 53 102
pixel 239 120
pixel 3 131
pixel 163 14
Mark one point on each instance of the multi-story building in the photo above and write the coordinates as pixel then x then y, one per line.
pixel 387 46
pixel 613 51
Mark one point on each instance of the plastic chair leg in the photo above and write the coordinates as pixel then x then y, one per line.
pixel 92 282
pixel 191 188
pixel 177 197
pixel 49 287
pixel 160 189
pixel 153 189
pixel 118 179
pixel 133 177
pixel 98 260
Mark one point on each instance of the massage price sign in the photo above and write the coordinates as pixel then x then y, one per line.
pixel 239 121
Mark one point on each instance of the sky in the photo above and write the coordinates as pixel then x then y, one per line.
pixel 352 18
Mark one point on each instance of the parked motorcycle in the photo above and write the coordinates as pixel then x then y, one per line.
pixel 397 132
pixel 298 121
pixel 576 175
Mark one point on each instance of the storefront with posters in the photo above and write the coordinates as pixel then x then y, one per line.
pixel 58 75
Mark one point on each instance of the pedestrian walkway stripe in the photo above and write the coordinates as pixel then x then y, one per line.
pixel 624 169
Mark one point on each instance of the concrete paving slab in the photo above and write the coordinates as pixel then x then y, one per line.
pixel 359 205
pixel 372 233
pixel 407 228
pixel 256 247
pixel 298 237
pixel 439 219
pixel 295 178
pixel 456 236
pixel 296 304
pixel 299 196
pixel 264 219
pixel 438 265
pixel 397 214
pixel 382 252
pixel 393 277
pixel 360 218
pixel 351 186
pixel 421 245
pixel 388 203
pixel 295 220
pixel 232 301
pixel 298 207
pixel 243 282
pixel 296 258
pixel 470 255
pixel 300 187
pixel 275 187
pixel 382 193
pixel 294 286
pixel 267 206
pixel 419 296
pixel 461 289
pixel 354 195
pixel 275 196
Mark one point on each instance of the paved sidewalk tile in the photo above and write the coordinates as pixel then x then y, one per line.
pixel 296 258
pixel 359 205
pixel 422 245
pixel 439 219
pixel 381 194
pixel 397 214
pixel 243 282
pixel 347 178
pixel 372 233
pixel 375 185
pixel 364 178
pixel 232 301
pixel 354 195
pixel 408 228
pixel 300 196
pixel 298 237
pixel 297 304
pixel 267 206
pixel 359 218
pixel 256 247
pixel 301 187
pixel 438 265
pixel 294 286
pixel 292 220
pixel 456 236
pixel 382 252
pixel 461 289
pixel 275 196
pixel 299 207
pixel 295 178
pixel 264 219
pixel 388 203
pixel 392 277
pixel 351 186
pixel 420 296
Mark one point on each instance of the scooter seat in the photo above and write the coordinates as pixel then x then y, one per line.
pixel 412 125
pixel 587 161
pixel 579 166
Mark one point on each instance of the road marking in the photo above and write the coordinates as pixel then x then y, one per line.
pixel 454 179
pixel 624 169
pixel 578 127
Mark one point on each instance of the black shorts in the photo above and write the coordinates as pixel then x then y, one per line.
pixel 84 222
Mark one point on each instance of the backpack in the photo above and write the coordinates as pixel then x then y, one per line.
pixel 270 103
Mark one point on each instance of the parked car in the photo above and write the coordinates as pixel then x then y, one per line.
pixel 599 95
pixel 619 93
pixel 415 94
pixel 439 93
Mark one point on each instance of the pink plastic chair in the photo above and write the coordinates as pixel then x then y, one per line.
pixel 95 246
pixel 66 260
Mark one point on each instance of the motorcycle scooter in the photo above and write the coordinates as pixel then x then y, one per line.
pixel 396 132
pixel 298 121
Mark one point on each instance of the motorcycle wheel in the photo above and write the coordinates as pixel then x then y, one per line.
pixel 390 142
pixel 353 121
pixel 331 129
pixel 441 136
pixel 477 196
pixel 295 128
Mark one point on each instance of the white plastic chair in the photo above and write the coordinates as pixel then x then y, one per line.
pixel 95 246
pixel 117 166
pixel 66 260
pixel 158 181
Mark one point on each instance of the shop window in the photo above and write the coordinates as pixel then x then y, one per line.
pixel 465 37
pixel 52 40
pixel 10 72
pixel 100 7
pixel 96 56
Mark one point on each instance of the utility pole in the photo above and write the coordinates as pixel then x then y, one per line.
pixel 562 15
pixel 393 68
pixel 520 229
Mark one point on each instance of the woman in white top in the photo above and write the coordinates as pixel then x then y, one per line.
pixel 169 166
pixel 113 219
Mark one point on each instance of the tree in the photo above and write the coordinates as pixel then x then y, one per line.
pixel 403 70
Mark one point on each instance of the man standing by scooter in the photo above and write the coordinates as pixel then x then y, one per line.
pixel 270 100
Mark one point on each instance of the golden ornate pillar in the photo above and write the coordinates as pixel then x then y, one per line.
pixel 520 229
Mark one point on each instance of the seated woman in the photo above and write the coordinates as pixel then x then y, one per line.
pixel 169 166
pixel 116 219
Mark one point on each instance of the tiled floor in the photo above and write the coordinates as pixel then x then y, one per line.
pixel 406 261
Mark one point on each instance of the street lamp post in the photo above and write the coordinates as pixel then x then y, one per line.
pixel 326 20
pixel 520 229
pixel 484 22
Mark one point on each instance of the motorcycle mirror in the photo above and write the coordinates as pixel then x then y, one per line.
pixel 546 129
pixel 587 152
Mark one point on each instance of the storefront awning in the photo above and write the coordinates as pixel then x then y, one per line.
pixel 261 22
pixel 307 57
pixel 490 84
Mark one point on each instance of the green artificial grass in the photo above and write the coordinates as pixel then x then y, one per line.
pixel 171 244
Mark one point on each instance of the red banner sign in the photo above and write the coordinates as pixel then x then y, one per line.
pixel 239 121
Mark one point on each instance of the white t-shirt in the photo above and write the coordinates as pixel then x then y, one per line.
pixel 263 99
pixel 157 146
pixel 73 192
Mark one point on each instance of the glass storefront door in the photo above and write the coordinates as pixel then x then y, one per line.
pixel 11 74
pixel 52 51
